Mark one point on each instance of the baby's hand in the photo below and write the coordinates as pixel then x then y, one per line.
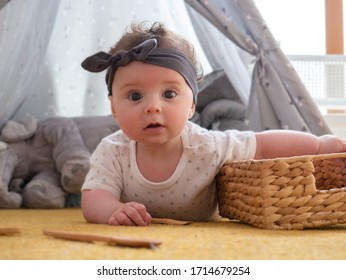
pixel 331 144
pixel 130 214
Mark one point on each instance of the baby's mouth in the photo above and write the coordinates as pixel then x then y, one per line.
pixel 154 125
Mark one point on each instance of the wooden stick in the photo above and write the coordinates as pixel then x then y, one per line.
pixel 109 239
pixel 169 221
pixel 9 230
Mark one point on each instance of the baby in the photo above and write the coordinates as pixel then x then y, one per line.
pixel 160 164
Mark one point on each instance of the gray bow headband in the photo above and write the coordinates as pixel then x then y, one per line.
pixel 148 52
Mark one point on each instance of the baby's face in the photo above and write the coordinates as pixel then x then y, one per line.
pixel 151 103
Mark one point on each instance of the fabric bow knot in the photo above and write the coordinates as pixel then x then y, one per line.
pixel 147 52
pixel 102 60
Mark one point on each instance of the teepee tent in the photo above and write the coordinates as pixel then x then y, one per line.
pixel 42 43
pixel 278 99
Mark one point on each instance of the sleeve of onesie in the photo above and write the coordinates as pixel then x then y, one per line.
pixel 235 145
pixel 105 170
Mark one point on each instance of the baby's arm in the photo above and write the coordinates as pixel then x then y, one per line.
pixel 100 206
pixel 285 143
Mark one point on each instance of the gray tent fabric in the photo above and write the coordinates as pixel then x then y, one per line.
pixel 278 98
pixel 24 39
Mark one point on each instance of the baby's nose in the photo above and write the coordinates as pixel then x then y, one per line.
pixel 153 106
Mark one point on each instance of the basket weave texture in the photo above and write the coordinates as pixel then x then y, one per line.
pixel 285 193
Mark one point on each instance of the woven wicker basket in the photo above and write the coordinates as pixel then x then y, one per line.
pixel 285 193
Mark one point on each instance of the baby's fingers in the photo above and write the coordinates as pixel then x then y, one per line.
pixel 343 146
pixel 120 219
pixel 130 214
pixel 138 214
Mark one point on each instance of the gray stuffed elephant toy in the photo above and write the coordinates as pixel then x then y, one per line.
pixel 41 162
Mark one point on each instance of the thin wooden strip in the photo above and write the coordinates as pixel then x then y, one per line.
pixel 167 221
pixel 121 241
pixel 9 230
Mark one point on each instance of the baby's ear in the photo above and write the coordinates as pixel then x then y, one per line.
pixel 192 111
pixel 110 98
pixel 16 131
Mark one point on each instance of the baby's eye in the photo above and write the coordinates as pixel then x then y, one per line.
pixel 169 94
pixel 135 96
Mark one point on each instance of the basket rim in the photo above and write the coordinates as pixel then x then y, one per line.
pixel 293 158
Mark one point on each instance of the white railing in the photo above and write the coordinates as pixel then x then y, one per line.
pixel 324 77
